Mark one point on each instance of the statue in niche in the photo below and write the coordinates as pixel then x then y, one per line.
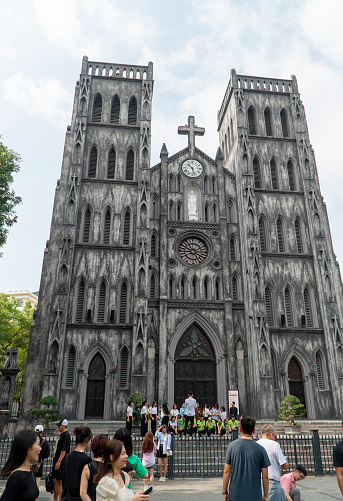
pixel 192 205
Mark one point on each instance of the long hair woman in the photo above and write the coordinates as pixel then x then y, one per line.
pixel 112 482
pixel 88 487
pixel 124 436
pixel 153 411
pixel 148 461
pixel 21 484
pixel 76 461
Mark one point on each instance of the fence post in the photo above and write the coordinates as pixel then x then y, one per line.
pixel 318 465
pixel 171 459
pixel 234 435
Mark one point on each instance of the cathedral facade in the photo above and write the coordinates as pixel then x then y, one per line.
pixel 194 274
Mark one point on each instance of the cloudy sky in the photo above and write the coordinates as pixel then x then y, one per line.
pixel 193 45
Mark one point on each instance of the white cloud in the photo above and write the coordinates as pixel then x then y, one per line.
pixel 45 98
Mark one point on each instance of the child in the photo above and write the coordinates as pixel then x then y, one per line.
pixel 163 450
pixel 148 461
pixel 211 426
pixel 129 469
pixel 201 426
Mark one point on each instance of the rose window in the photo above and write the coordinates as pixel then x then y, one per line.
pixel 193 251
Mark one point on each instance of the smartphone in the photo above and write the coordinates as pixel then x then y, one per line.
pixel 148 491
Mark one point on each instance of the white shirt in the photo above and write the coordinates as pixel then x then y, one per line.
pixel 174 412
pixel 144 410
pixel 153 410
pixel 190 404
pixel 163 439
pixel 223 415
pixel 276 457
pixel 129 410
pixel 207 412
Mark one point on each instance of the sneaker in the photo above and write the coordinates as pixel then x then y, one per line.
pixel 161 479
pixel 164 479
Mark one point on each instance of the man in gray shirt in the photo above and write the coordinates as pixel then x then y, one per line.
pixel 245 461
pixel 190 404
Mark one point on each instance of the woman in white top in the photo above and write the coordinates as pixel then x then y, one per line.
pixel 112 482
pixel 144 419
pixel 163 450
pixel 175 411
pixel 153 413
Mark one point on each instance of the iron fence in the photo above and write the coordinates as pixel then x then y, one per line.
pixel 205 456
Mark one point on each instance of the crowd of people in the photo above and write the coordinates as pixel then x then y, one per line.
pixel 190 419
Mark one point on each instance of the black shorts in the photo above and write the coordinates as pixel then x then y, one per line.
pixel 40 471
pixel 58 474
pixel 160 454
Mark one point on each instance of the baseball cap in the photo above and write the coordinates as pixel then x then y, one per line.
pixel 39 427
pixel 62 422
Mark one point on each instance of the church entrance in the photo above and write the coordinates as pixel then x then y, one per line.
pixel 295 381
pixel 195 368
pixel 95 388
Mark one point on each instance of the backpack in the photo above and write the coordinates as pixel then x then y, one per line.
pixel 49 484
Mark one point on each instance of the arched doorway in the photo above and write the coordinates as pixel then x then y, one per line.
pixel 195 368
pixel 296 381
pixel 95 388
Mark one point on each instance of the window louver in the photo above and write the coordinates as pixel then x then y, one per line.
pixel 115 111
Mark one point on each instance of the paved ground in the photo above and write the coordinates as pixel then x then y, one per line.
pixel 312 489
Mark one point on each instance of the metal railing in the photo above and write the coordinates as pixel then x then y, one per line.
pixel 205 456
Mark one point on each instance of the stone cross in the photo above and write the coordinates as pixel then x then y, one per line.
pixel 191 130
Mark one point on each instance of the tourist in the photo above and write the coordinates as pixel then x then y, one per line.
pixel 198 412
pixel 244 462
pixel 88 487
pixel 164 415
pixel 289 482
pixel 129 416
pixel 277 461
pixel 182 426
pixel 215 412
pixel 174 412
pixel 222 414
pixel 124 436
pixel 190 404
pixel 148 461
pixel 44 453
pixel 62 448
pixel 183 409
pixel 206 412
pixel 111 481
pixel 153 413
pixel 144 418
pixel 21 484
pixel 173 426
pixel 211 426
pixel 163 450
pixel 233 411
pixel 232 424
pixel 221 427
pixel 75 462
pixel 201 426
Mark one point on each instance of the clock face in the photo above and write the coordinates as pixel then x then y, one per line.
pixel 192 168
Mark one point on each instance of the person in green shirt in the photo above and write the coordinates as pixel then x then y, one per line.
pixel 221 427
pixel 125 436
pixel 182 426
pixel 211 426
pixel 201 426
pixel 232 424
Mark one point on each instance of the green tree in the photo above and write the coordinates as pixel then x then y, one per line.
pixel 9 164
pixel 137 400
pixel 291 408
pixel 15 328
pixel 51 413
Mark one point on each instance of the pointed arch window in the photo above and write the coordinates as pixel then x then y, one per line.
pixel 280 237
pixel 111 167
pixel 274 174
pixel 153 245
pixel 234 288
pixel 115 110
pixel 307 306
pixel 215 213
pixel 102 301
pixel 132 116
pixel 130 164
pixel 171 183
pixel 327 284
pixel 127 228
pixel 206 185
pixel 183 288
pixel 269 306
pixel 152 285
pixel 171 287
pixel 232 249
pixel 97 108
pixel 123 303
pixel 171 210
pixel 70 212
pixel 53 358
pixel 217 289
pixel 251 121
pixel 262 233
pixel 178 211
pixel 206 212
pixel 62 279
pixel 284 125
pixel 275 371
pixel 178 184
pixel 124 368
pixel 298 237
pixel 291 175
pixel 268 122
pixel 93 160
pixel 107 226
pixel 319 370
pixel 206 288
pixel 257 173
pixel 288 307
pixel 87 225
pixel 214 185
pixel 69 381
pixel 80 301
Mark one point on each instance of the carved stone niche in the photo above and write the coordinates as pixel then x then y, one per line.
pixel 8 376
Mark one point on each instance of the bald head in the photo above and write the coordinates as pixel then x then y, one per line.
pixel 268 431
